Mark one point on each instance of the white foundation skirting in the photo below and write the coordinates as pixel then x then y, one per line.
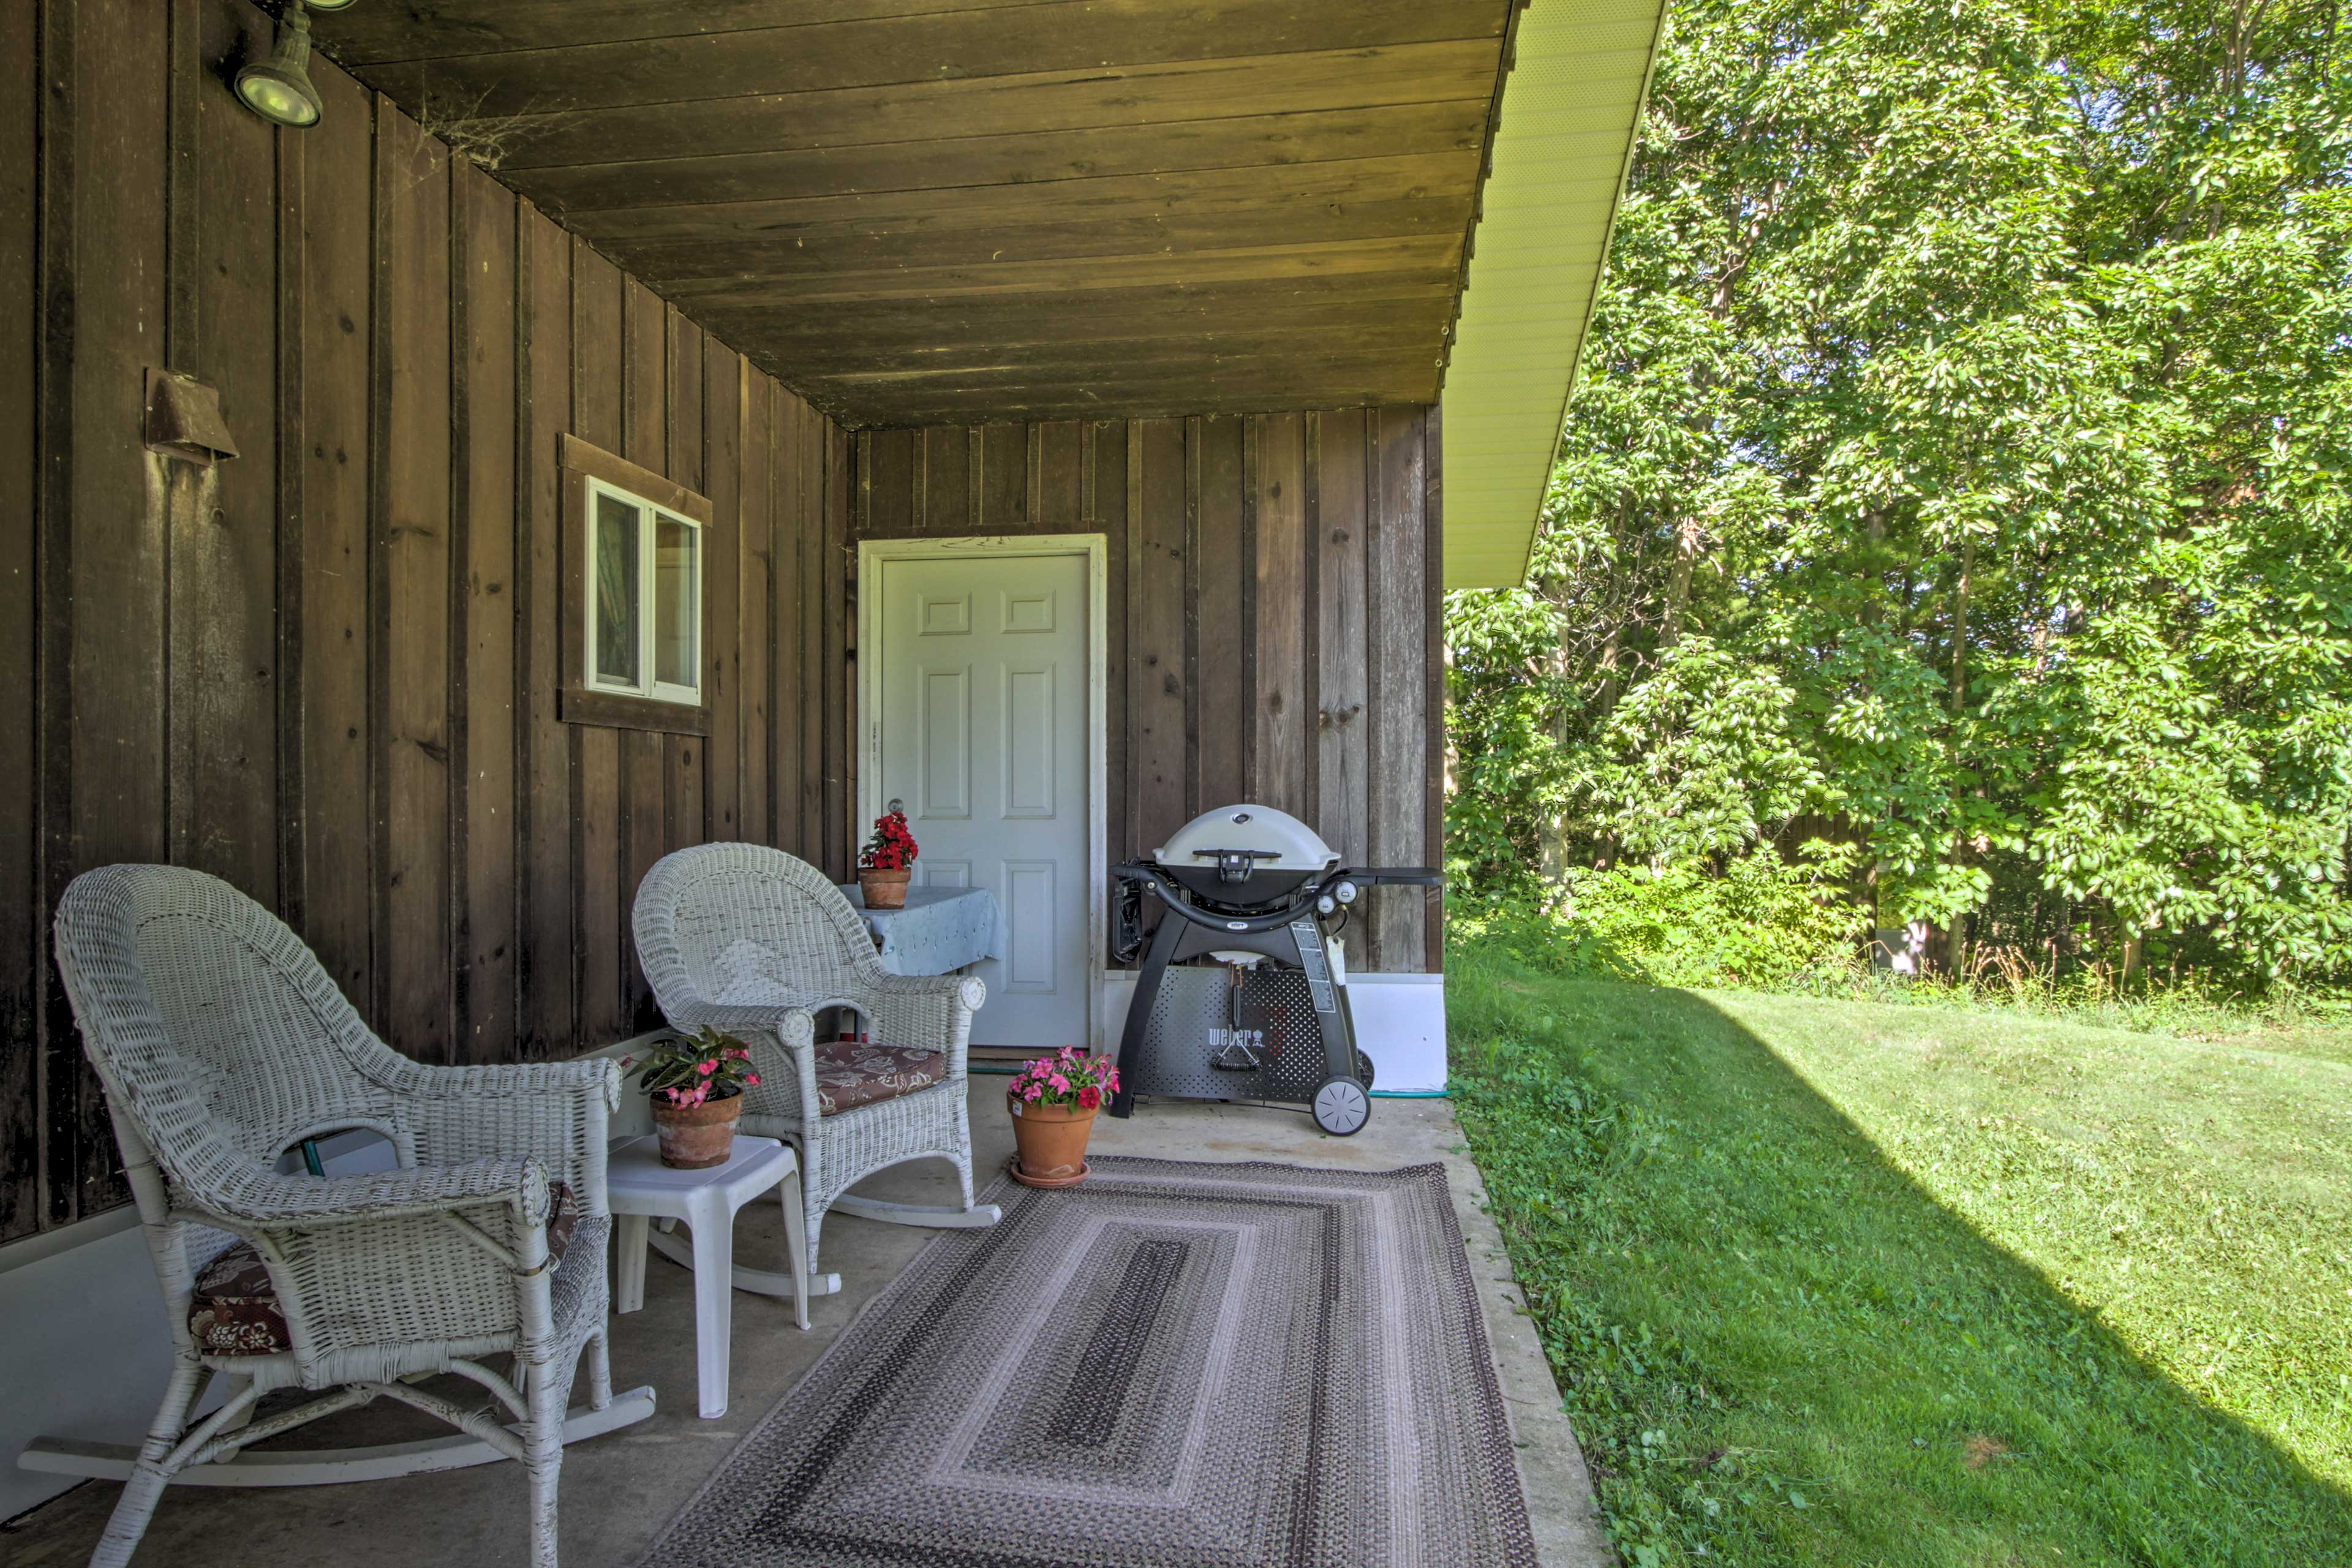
pixel 1400 1024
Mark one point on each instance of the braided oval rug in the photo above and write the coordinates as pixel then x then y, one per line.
pixel 1171 1365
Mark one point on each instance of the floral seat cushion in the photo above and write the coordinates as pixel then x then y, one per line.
pixel 852 1073
pixel 235 1311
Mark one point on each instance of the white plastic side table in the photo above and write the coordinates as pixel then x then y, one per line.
pixel 639 1187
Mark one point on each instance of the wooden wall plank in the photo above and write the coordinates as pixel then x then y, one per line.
pixel 423 28
pixel 223 546
pixel 1282 706
pixel 411 586
pixel 723 659
pixel 802 528
pixel 1222 557
pixel 548 972
pixel 840 761
pixel 1396 563
pixel 488 940
pixel 1433 646
pixel 789 734
pixel 1103 506
pixel 113 739
pixel 886 483
pixel 1340 648
pixel 1058 497
pixel 1197 114
pixel 22 298
pixel 290 313
pixel 1000 487
pixel 756 562
pixel 599 826
pixel 338 734
pixel 645 436
pixel 1159 695
pixel 946 479
pixel 682 769
pixel 1062 34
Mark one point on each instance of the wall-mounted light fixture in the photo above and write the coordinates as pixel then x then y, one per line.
pixel 278 89
pixel 183 419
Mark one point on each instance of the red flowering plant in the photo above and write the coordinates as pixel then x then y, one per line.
pixel 707 1065
pixel 892 848
pixel 1069 1077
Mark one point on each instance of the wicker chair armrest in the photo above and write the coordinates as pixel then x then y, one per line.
pixel 969 991
pixel 265 1201
pixel 791 1025
pixel 784 1048
pixel 404 1256
pixel 932 1011
pixel 505 1079
pixel 560 1112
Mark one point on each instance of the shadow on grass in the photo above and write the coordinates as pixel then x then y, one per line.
pixel 1779 1348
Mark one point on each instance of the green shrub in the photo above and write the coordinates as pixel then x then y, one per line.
pixel 1761 922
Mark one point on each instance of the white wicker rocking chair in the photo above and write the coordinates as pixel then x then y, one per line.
pixel 753 942
pixel 222 1042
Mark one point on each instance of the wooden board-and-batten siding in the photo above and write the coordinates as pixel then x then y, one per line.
pixel 326 671
pixel 1274 608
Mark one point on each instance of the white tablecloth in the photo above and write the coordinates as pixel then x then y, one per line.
pixel 938 932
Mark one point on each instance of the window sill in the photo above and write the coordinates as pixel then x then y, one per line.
pixel 611 711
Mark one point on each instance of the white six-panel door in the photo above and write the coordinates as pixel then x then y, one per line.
pixel 981 731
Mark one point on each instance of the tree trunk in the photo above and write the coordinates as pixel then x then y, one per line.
pixel 1552 834
pixel 1956 936
pixel 1687 534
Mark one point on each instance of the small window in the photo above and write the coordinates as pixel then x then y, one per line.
pixel 633 601
pixel 645 608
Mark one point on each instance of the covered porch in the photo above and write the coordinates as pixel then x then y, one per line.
pixel 1256 316
pixel 621 1489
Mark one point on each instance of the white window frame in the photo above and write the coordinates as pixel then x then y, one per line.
pixel 648 687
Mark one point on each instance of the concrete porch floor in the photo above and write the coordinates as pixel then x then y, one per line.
pixel 617 1490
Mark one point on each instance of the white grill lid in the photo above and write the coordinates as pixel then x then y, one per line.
pixel 1294 846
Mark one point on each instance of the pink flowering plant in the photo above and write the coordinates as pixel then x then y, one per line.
pixel 706 1064
pixel 1069 1077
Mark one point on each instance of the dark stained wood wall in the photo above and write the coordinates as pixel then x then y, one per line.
pixel 327 671
pixel 1274 613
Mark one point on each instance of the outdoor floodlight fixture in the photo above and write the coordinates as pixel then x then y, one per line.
pixel 278 89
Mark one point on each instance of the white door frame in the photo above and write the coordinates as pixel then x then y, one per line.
pixel 1096 549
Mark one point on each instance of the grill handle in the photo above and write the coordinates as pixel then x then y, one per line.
pixel 1156 882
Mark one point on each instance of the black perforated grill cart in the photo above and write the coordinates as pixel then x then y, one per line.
pixel 1244 994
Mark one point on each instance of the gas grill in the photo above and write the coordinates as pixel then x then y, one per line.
pixel 1244 991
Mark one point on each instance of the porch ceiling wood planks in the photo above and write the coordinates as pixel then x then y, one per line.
pixel 920 212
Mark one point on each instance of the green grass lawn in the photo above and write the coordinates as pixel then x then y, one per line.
pixel 1837 1283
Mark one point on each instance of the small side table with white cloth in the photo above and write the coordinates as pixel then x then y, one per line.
pixel 640 1188
pixel 940 931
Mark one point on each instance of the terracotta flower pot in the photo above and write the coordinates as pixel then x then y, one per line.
pixel 697 1137
pixel 884 889
pixel 1052 1143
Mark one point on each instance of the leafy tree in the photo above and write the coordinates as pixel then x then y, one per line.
pixel 1958 472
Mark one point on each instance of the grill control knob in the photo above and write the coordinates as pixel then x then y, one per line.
pixel 1324 905
pixel 1345 892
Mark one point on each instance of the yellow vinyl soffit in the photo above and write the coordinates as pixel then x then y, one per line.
pixel 1563 142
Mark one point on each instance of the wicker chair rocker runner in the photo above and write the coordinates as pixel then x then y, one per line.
pixel 222 1042
pixel 753 942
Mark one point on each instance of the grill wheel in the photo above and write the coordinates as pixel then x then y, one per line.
pixel 1341 1107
